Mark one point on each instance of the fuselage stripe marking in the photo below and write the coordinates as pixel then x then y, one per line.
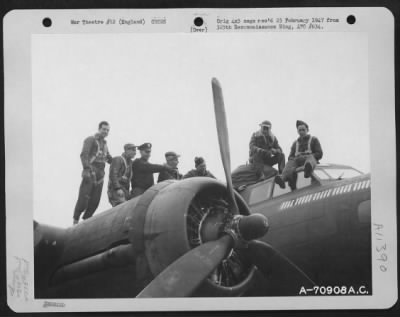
pixel 326 193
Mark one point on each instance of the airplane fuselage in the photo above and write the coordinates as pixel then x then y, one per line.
pixel 325 230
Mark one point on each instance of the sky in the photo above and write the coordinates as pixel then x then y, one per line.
pixel 157 88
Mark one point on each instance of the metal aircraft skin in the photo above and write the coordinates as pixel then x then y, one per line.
pixel 197 237
pixel 323 227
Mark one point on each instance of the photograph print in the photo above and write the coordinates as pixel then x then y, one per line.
pixel 192 165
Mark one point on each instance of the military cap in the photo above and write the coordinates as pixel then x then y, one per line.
pixel 299 122
pixel 130 146
pixel 171 153
pixel 198 161
pixel 266 123
pixel 145 146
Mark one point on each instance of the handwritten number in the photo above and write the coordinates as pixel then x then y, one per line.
pixel 383 247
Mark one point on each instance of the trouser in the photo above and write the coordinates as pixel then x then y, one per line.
pixel 264 171
pixel 279 159
pixel 264 166
pixel 115 199
pixel 89 194
pixel 290 169
pixel 136 191
pixel 251 174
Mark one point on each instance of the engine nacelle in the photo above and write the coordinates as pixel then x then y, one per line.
pixel 185 214
pixel 115 253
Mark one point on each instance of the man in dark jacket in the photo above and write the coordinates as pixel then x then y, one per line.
pixel 306 150
pixel 200 169
pixel 265 150
pixel 172 161
pixel 94 157
pixel 120 176
pixel 142 176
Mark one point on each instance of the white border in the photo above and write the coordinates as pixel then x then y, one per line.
pixel 20 25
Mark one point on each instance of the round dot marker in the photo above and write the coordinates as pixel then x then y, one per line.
pixel 351 19
pixel 198 21
pixel 46 22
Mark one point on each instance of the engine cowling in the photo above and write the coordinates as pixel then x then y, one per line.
pixel 185 214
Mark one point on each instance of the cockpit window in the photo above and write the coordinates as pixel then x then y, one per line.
pixel 280 191
pixel 260 193
pixel 336 173
pixel 321 174
pixel 300 183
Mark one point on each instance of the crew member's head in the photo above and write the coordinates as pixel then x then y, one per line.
pixel 265 127
pixel 145 150
pixel 130 150
pixel 200 164
pixel 302 128
pixel 104 129
pixel 172 159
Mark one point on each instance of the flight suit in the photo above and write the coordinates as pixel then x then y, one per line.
pixel 142 175
pixel 120 178
pixel 260 154
pixel 94 155
pixel 303 150
pixel 250 174
pixel 165 175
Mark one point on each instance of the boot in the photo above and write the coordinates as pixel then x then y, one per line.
pixel 307 170
pixel 279 180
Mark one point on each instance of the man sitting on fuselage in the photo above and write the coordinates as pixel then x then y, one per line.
pixel 306 150
pixel 265 152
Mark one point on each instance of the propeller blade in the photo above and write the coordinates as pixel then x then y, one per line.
pixel 283 276
pixel 223 139
pixel 185 275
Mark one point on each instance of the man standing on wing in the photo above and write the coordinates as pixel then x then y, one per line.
pixel 142 177
pixel 200 169
pixel 264 150
pixel 120 176
pixel 94 157
pixel 172 162
pixel 306 150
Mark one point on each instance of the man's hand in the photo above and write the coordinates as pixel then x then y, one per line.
pixel 266 154
pixel 275 151
pixel 120 193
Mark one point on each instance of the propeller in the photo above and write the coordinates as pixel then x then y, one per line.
pixel 186 274
pixel 283 276
pixel 182 277
pixel 223 139
pixel 262 255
